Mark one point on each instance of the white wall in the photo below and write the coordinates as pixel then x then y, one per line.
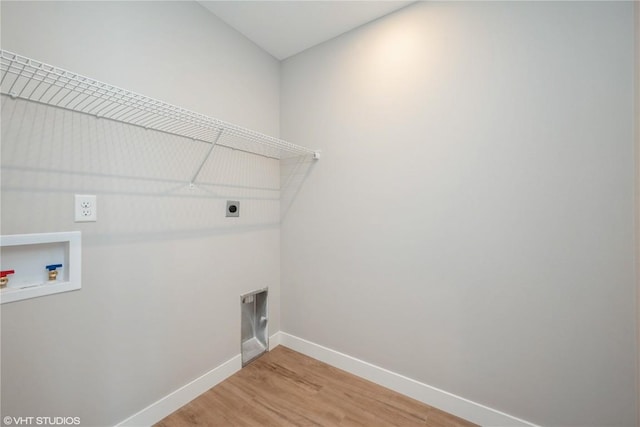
pixel 471 222
pixel 162 268
pixel 469 225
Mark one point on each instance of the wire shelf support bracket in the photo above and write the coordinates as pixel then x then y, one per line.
pixel 28 79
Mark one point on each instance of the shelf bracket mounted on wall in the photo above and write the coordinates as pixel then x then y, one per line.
pixel 206 157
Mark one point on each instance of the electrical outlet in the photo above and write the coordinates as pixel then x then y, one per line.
pixel 233 208
pixel 86 208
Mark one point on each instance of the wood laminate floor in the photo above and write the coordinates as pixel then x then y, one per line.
pixel 286 388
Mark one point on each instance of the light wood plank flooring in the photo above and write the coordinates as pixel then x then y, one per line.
pixel 286 388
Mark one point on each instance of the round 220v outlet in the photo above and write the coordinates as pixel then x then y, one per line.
pixel 233 208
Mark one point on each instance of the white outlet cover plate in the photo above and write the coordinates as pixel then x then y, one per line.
pixel 86 208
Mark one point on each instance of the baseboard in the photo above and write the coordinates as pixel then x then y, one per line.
pixel 274 340
pixel 433 396
pixel 185 394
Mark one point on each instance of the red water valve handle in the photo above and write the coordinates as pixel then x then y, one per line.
pixel 6 272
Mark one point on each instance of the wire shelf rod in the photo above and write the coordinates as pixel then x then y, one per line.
pixel 49 85
pixel 205 141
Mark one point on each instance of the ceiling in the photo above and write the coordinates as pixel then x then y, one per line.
pixel 284 28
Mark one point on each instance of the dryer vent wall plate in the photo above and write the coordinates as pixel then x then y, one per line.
pixel 254 329
pixel 233 208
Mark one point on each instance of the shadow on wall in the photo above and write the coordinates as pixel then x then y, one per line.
pixel 293 172
pixel 141 177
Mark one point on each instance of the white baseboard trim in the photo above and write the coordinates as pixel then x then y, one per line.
pixel 185 394
pixel 432 396
pixel 274 340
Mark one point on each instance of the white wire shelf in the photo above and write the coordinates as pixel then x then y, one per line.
pixel 32 80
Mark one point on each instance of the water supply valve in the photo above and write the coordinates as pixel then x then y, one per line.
pixel 53 272
pixel 3 277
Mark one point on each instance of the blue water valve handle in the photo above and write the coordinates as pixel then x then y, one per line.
pixel 53 272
